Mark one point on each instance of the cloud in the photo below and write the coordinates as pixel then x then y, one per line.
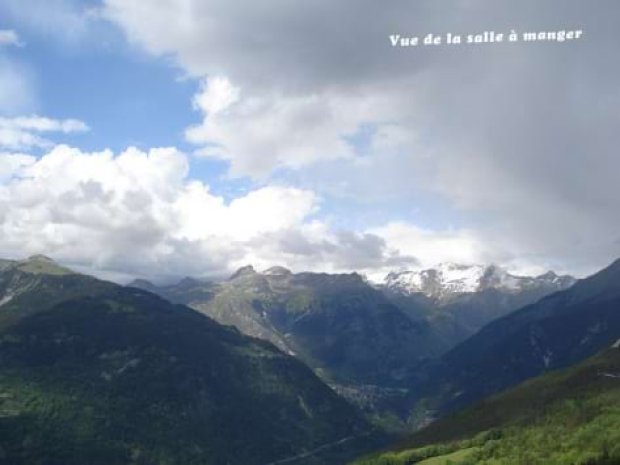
pixel 277 131
pixel 19 133
pixel 216 95
pixel 139 213
pixel 43 124
pixel 432 247
pixel 315 246
pixel 11 164
pixel 520 139
pixel 9 37
pixel 299 78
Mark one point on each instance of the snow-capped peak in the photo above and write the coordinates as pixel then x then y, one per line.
pixel 447 279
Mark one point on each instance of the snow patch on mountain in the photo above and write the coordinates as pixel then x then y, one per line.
pixel 449 279
pixel 6 299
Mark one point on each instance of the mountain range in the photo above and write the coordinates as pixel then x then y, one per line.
pixel 95 373
pixel 348 332
pixel 555 332
pixel 277 367
pixel 458 299
pixel 358 336
pixel 447 281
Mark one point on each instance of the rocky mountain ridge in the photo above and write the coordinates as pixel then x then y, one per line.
pixel 447 280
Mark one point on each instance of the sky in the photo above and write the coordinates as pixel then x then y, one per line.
pixel 165 138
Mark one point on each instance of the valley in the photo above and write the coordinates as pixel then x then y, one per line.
pixel 364 339
pixel 569 416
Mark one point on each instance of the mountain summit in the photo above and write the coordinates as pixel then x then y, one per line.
pixel 247 270
pixel 459 299
pixel 448 280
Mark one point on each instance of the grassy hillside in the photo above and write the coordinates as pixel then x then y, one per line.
pixel 570 417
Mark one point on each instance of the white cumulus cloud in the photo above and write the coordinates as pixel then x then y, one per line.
pixel 257 134
pixel 139 213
